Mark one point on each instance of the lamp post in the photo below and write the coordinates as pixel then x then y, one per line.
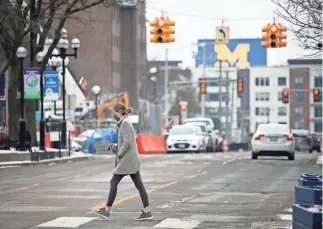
pixel 21 54
pixel 40 56
pixel 54 62
pixel 96 91
pixel 153 78
pixel 63 45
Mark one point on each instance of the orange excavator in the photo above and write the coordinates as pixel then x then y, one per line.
pixel 120 98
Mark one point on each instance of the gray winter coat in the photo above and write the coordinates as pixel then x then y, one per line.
pixel 128 161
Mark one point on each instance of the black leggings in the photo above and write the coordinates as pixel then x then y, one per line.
pixel 136 178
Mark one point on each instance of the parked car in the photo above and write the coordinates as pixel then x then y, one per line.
pixel 183 138
pixel 210 128
pixel 303 140
pixel 273 140
pixel 316 142
pixel 207 136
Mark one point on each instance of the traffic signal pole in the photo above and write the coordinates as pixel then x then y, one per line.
pixel 203 95
pixel 220 94
pixel 227 107
pixel 166 88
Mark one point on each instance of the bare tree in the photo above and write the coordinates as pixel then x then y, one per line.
pixel 20 23
pixel 305 18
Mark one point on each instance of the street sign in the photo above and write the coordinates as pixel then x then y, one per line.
pixel 51 85
pixel 222 35
pixel 32 83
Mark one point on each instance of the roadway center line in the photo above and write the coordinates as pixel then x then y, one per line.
pixel 35 185
pixel 71 177
pixel 19 189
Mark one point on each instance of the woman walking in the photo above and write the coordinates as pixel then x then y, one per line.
pixel 127 163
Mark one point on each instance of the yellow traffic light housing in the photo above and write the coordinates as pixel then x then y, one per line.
pixel 202 87
pixel 265 37
pixel 316 95
pixel 285 96
pixel 281 36
pixel 240 85
pixel 162 30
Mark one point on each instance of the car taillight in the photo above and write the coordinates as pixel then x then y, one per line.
pixel 289 137
pixel 259 136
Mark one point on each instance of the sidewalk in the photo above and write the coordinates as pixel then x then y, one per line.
pixel 12 157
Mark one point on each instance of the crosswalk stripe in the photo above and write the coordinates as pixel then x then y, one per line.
pixel 175 223
pixel 67 222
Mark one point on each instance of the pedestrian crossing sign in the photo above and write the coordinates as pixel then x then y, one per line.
pixel 222 35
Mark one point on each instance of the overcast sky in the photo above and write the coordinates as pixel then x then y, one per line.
pixel 197 19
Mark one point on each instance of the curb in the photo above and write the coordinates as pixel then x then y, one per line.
pixel 46 162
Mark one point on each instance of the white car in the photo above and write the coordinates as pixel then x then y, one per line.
pixel 183 138
pixel 207 137
pixel 273 140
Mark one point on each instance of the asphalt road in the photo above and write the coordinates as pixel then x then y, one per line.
pixel 220 190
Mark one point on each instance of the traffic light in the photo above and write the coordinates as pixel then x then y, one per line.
pixel 240 85
pixel 274 36
pixel 285 96
pixel 316 95
pixel 265 37
pixel 202 87
pixel 281 36
pixel 162 30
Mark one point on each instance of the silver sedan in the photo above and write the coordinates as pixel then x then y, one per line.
pixel 273 140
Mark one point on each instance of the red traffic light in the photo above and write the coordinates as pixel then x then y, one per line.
pixel 285 96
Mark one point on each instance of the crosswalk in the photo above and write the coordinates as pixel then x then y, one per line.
pixel 190 222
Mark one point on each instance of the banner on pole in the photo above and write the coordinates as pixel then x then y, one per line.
pixel 51 85
pixel 32 83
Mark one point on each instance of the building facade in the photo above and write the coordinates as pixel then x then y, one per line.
pixel 266 87
pixel 305 76
pixel 113 47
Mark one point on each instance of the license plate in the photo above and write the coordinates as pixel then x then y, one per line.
pixel 181 146
pixel 273 139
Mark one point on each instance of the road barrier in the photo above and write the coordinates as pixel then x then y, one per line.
pixel 151 144
pixel 307 210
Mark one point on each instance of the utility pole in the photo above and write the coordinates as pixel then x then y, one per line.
pixel 166 88
pixel 227 106
pixel 220 95
pixel 203 95
pixel 232 107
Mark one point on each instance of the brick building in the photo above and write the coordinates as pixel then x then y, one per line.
pixel 113 48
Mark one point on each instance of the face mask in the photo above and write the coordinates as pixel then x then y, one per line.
pixel 116 117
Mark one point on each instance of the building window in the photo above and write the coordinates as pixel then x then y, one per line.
pixel 299 80
pixel 262 111
pixel 299 111
pixel 281 81
pixel 262 81
pixel 318 126
pixel 282 123
pixel 280 96
pixel 318 81
pixel 299 95
pixel 317 111
pixel 262 96
pixel 282 111
pixel 299 125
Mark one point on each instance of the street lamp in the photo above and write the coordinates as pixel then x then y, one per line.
pixel 63 45
pixel 21 54
pixel 96 91
pixel 40 56
pixel 153 78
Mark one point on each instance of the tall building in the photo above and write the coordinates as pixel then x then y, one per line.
pixel 113 47
pixel 305 75
pixel 266 86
